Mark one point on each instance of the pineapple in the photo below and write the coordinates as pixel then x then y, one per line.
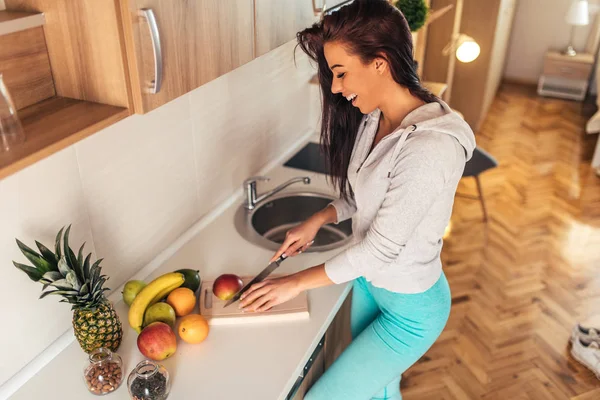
pixel 95 322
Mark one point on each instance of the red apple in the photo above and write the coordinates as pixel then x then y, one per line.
pixel 157 341
pixel 227 285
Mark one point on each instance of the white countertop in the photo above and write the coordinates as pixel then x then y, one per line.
pixel 251 361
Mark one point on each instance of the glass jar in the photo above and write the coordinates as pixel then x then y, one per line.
pixel 104 371
pixel 11 130
pixel 149 381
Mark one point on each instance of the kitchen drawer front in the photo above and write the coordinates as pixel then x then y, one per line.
pixel 565 69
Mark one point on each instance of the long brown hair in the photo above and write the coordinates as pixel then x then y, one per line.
pixel 369 29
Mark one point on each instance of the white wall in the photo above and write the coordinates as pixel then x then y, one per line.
pixel 133 188
pixel 539 25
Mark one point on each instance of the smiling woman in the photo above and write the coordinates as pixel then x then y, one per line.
pixel 347 52
pixel 396 154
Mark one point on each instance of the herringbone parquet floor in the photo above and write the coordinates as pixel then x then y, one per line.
pixel 520 281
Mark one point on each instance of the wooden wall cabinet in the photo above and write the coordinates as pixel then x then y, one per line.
pixel 278 21
pixel 94 62
pixel 66 75
pixel 175 47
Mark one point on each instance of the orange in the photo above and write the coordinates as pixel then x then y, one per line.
pixel 193 328
pixel 183 301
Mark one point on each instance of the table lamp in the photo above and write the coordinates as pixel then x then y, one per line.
pixel 578 15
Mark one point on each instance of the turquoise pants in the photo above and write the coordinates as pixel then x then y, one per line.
pixel 390 332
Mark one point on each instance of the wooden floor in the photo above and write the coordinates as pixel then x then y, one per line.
pixel 520 281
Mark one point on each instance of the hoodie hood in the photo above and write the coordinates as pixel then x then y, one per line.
pixel 439 117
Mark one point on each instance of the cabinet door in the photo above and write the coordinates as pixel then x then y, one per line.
pixel 278 21
pixel 174 47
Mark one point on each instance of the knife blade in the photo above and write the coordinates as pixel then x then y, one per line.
pixel 258 278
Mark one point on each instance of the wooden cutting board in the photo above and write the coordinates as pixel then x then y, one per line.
pixel 211 308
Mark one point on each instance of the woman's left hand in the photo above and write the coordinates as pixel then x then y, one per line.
pixel 266 294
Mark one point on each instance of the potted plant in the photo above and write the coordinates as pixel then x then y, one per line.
pixel 415 12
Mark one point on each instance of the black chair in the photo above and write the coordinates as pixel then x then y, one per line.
pixel 480 162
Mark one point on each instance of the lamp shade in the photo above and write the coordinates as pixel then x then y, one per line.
pixel 578 13
pixel 467 51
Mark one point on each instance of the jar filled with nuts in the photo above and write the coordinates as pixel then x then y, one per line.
pixel 104 372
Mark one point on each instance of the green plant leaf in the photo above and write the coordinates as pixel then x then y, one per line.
pixel 47 254
pixel 60 292
pixel 86 268
pixel 63 267
pixel 415 12
pixel 85 289
pixel 71 259
pixel 57 243
pixel 72 279
pixel 33 273
pixel 99 284
pixel 52 276
pixel 80 255
pixel 62 284
pixel 38 262
pixel 95 272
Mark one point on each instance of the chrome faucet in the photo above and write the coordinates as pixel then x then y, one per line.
pixel 250 189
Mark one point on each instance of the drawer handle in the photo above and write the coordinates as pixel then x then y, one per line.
pixel 156 83
pixel 566 70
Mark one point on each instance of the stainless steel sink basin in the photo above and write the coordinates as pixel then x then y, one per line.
pixel 268 223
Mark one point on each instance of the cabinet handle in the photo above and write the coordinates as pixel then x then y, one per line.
pixel 156 83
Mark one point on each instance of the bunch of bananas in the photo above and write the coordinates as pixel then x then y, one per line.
pixel 154 292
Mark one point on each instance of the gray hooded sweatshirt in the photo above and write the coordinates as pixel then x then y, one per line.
pixel 403 198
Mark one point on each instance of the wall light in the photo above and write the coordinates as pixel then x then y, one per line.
pixel 465 48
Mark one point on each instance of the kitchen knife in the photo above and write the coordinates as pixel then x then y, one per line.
pixel 258 278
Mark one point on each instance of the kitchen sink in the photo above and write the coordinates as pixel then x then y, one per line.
pixel 267 224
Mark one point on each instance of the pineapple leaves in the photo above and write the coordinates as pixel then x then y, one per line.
pixel 63 267
pixel 80 257
pixel 85 289
pixel 65 273
pixel 33 273
pixel 95 272
pixel 60 292
pixel 72 280
pixel 62 284
pixel 38 262
pixel 70 256
pixel 51 276
pixel 57 244
pixel 86 268
pixel 47 254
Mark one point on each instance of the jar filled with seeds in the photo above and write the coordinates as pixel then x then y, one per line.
pixel 104 372
pixel 149 381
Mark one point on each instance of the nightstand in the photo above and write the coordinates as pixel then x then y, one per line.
pixel 566 76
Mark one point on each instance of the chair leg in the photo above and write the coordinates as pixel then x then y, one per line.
pixel 481 198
